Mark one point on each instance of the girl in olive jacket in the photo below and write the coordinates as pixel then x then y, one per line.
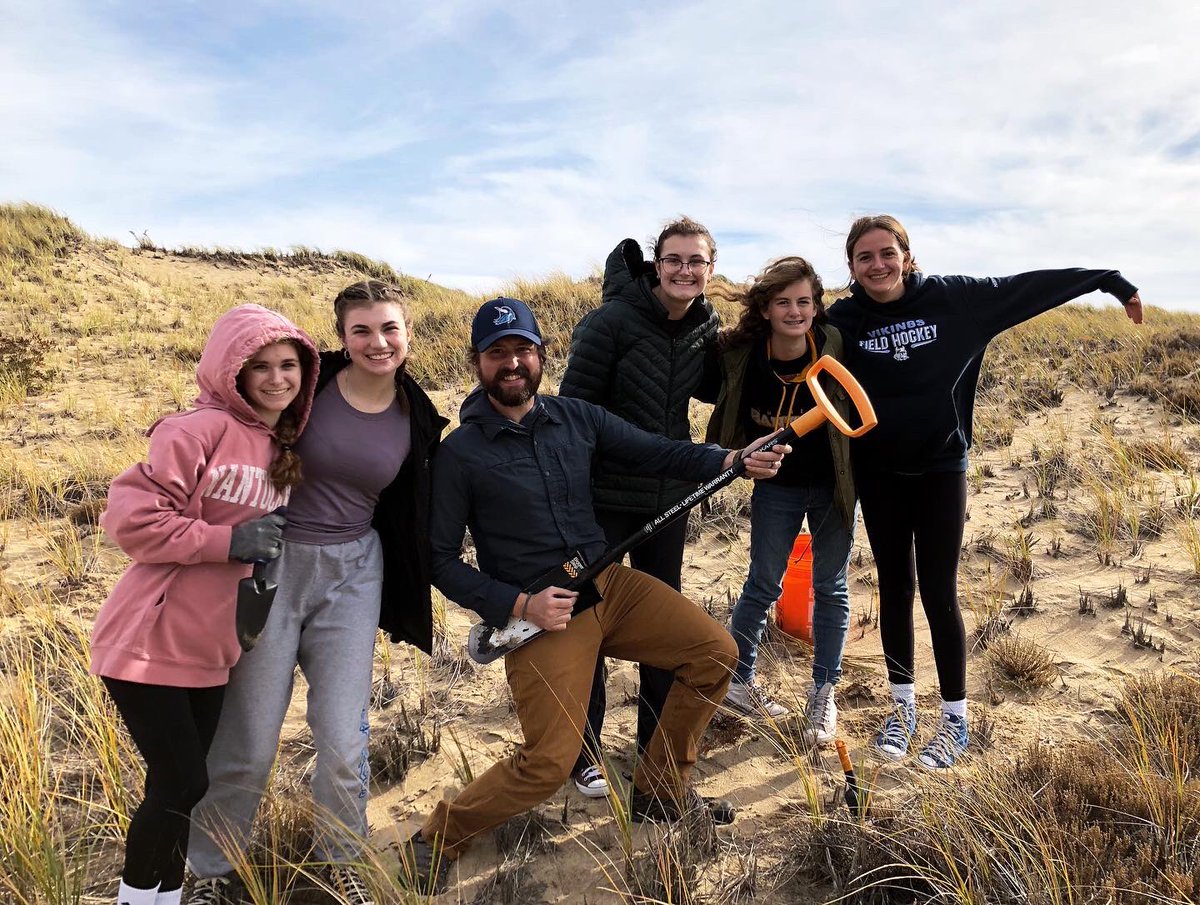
pixel 764 359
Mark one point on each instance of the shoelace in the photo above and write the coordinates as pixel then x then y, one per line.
pixel 944 747
pixel 208 891
pixel 589 775
pixel 818 707
pixel 896 729
pixel 756 696
pixel 352 886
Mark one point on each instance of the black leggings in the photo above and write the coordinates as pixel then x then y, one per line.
pixel 661 556
pixel 922 513
pixel 173 729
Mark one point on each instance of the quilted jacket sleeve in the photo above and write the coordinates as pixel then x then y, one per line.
pixel 592 359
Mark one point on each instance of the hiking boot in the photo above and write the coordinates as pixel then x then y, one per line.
pixel 645 806
pixel 347 882
pixel 897 731
pixel 820 716
pixel 748 699
pixel 590 782
pixel 424 868
pixel 947 744
pixel 215 891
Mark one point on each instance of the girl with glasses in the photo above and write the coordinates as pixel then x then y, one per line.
pixel 643 355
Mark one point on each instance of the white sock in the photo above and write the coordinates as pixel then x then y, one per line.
pixel 171 897
pixel 130 895
pixel 958 708
pixel 906 693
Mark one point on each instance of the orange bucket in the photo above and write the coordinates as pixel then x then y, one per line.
pixel 794 608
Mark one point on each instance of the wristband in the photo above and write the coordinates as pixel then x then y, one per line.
pixel 524 606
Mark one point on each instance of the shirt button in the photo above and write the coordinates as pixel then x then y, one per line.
pixel 546 473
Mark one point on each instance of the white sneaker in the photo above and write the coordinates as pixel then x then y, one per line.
pixel 749 699
pixel 590 782
pixel 820 716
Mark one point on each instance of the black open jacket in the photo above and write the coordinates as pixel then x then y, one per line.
pixel 402 518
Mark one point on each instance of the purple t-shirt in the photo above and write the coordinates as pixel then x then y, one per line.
pixel 348 458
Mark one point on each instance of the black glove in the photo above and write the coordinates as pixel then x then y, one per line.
pixel 258 540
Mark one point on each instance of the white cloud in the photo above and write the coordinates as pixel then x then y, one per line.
pixel 477 141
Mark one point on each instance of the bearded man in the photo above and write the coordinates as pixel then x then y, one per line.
pixel 517 472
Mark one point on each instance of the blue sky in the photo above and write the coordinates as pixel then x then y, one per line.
pixel 473 141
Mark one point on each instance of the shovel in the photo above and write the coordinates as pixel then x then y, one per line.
pixel 254 597
pixel 485 643
pixel 855 798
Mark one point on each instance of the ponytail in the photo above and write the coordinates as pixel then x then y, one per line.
pixel 285 470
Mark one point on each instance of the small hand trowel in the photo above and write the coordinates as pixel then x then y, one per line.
pixel 856 798
pixel 254 598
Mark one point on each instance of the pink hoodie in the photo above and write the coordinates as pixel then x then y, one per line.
pixel 170 618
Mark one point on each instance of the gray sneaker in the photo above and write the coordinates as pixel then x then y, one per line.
pixel 224 890
pixel 820 716
pixel 347 882
pixel 750 700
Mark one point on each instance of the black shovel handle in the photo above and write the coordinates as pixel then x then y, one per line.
pixel 822 411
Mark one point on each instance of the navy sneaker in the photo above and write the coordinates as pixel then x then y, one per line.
pixel 947 745
pixel 897 731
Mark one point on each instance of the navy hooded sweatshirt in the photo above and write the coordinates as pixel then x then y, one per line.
pixel 918 357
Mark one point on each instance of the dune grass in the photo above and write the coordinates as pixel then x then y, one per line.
pixel 1110 818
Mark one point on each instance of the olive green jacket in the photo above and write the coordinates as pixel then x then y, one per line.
pixel 725 427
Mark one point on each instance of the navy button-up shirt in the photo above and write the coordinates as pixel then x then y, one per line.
pixel 525 492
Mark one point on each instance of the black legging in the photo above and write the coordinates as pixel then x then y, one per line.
pixel 661 556
pixel 922 513
pixel 173 729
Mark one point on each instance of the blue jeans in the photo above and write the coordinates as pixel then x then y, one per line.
pixel 777 513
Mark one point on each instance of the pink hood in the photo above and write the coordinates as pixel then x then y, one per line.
pixel 236 336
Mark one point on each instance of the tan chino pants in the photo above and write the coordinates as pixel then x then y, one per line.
pixel 640 619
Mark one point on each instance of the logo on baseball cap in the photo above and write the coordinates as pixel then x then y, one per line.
pixel 503 317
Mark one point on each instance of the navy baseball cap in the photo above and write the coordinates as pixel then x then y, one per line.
pixel 503 317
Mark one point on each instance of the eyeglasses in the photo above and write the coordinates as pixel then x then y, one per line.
pixel 672 264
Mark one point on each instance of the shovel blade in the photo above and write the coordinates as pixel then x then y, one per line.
pixel 254 598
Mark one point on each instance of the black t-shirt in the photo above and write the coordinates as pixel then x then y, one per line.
pixel 775 394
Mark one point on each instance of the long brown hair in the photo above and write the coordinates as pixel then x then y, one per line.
pixel 285 471
pixel 755 296
pixel 887 223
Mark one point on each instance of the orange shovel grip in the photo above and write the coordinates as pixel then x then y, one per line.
pixel 844 756
pixel 853 388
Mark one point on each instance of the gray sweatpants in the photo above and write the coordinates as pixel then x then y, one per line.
pixel 324 619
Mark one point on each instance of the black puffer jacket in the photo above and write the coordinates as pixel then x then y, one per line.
pixel 630 358
pixel 402 518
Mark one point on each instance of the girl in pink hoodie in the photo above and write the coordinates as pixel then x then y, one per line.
pixel 190 517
